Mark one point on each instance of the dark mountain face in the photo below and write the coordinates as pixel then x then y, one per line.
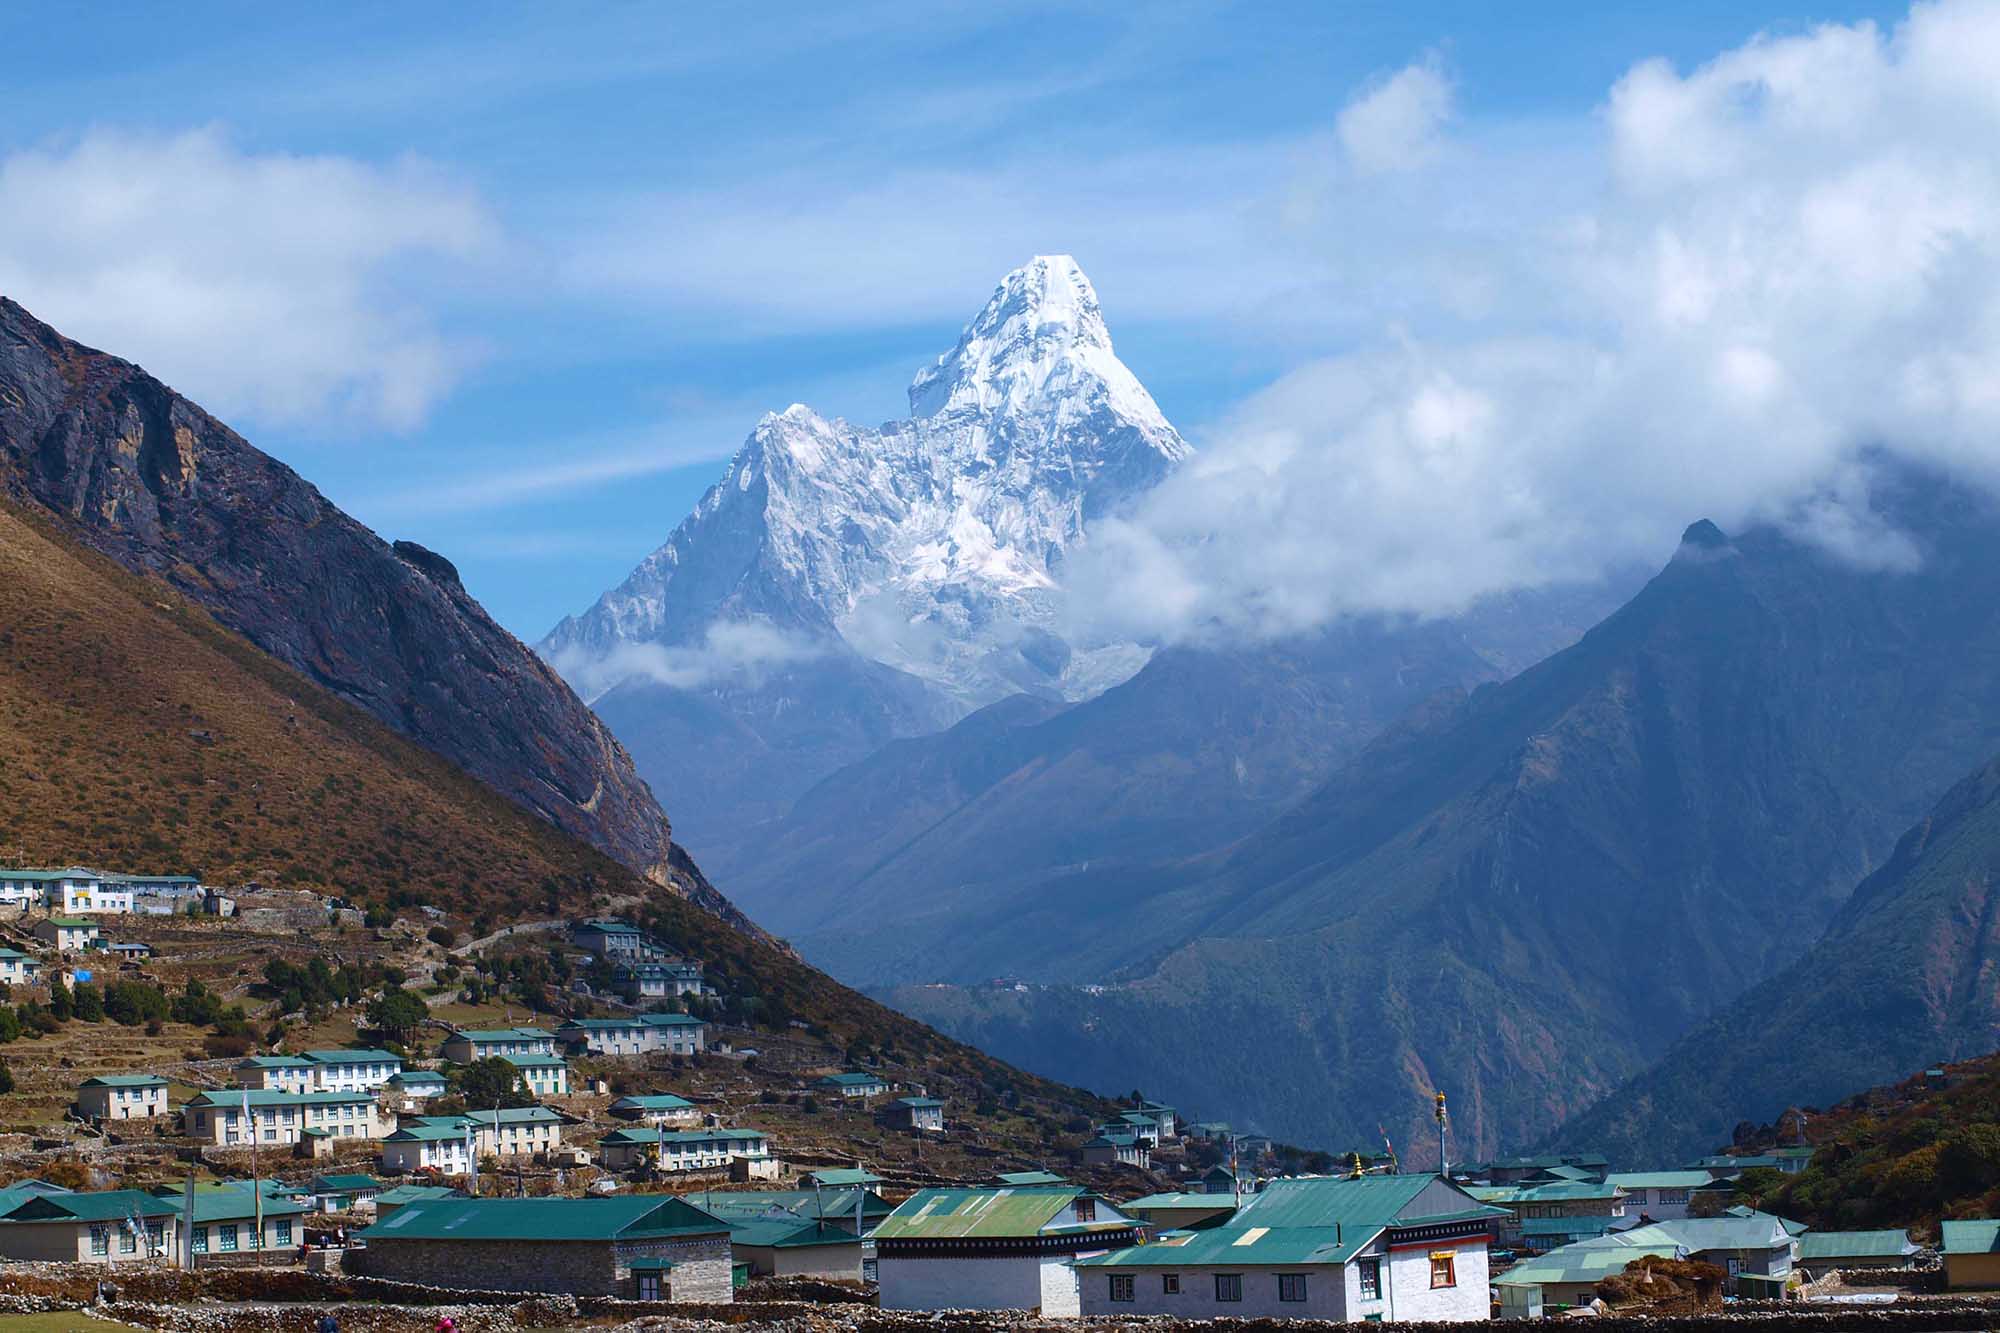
pixel 146 477
pixel 1908 975
pixel 1524 895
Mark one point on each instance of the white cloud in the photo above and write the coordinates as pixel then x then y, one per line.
pixel 1396 124
pixel 731 650
pixel 1757 277
pixel 270 286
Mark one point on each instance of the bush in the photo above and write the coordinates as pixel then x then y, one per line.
pixel 6 1078
pixel 89 1003
pixel 10 1024
pixel 442 936
pixel 134 1002
pixel 1972 1156
pixel 224 1045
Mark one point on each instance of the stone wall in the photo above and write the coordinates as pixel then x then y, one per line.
pixel 583 1268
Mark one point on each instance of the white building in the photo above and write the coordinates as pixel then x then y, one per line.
pixel 465 1045
pixel 1660 1196
pixel 279 1073
pixel 68 934
pixel 994 1249
pixel 641 1034
pixel 543 1075
pixel 104 897
pixel 441 1147
pixel 17 968
pixel 1373 1248
pixel 122 1096
pixel 275 1117
pixel 352 1070
pixel 681 1150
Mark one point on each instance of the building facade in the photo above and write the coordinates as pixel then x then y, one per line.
pixel 468 1044
pixel 542 1075
pixel 277 1073
pixel 994 1249
pixel 106 1228
pixel 122 1097
pixel 681 1150
pixel 273 1117
pixel 641 1034
pixel 358 1070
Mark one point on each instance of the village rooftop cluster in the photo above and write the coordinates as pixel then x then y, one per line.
pixel 1520 1237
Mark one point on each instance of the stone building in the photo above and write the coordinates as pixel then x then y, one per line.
pixel 278 1073
pixel 993 1249
pixel 106 1227
pixel 122 1096
pixel 465 1045
pixel 240 1117
pixel 641 1034
pixel 642 1246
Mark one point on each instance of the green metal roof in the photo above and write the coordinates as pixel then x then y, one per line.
pixel 916 1103
pixel 618 1136
pixel 609 927
pixel 1566 1191
pixel 625 1024
pixel 1222 1202
pixel 658 1101
pixel 1030 1178
pixel 401 1194
pixel 231 1099
pixel 958 1214
pixel 410 1077
pixel 536 1061
pixel 748 1205
pixel 1325 1220
pixel 234 1200
pixel 517 1115
pixel 620 1218
pixel 98 1206
pixel 846 1175
pixel 850 1080
pixel 355 1056
pixel 1567 1226
pixel 124 1081
pixel 1660 1180
pixel 783 1234
pixel 501 1034
pixel 1972 1236
pixel 1580 1263
pixel 1855 1245
pixel 425 1134
pixel 273 1062
pixel 344 1184
pixel 74 922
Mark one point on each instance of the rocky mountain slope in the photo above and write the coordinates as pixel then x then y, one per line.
pixel 137 732
pixel 1195 750
pixel 1526 894
pixel 1907 975
pixel 843 586
pixel 136 471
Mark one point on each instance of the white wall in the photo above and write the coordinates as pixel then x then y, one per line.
pixel 1408 1276
pixel 1012 1283
pixel 1196 1299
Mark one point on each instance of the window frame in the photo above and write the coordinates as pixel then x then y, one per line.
pixel 1228 1288
pixel 100 1239
pixel 1086 1208
pixel 1445 1262
pixel 1368 1278
pixel 1292 1282
pixel 1122 1289
pixel 1170 1284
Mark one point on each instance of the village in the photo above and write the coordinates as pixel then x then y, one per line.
pixel 572 1109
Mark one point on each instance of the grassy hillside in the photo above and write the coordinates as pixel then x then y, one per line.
pixel 136 733
pixel 1909 1154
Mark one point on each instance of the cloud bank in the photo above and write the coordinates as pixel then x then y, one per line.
pixel 273 286
pixel 1742 282
pixel 731 650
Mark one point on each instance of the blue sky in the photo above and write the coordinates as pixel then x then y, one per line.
pixel 513 281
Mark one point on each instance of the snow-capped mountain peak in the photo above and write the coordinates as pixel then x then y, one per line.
pixel 933 544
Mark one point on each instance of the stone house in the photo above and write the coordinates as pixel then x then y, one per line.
pixel 918 1115
pixel 357 1070
pixel 851 1084
pixel 242 1116
pixel 465 1045
pixel 1369 1248
pixel 226 1219
pixel 121 1097
pixel 446 1149
pixel 19 969
pixel 280 1073
pixel 993 1248
pixel 681 1150
pixel 642 1247
pixel 68 934
pixel 107 1227
pixel 793 1246
pixel 658 1108
pixel 1119 1149
pixel 1822 1252
pixel 543 1075
pixel 1971 1251
pixel 1661 1196
pixel 641 1034
pixel 641 982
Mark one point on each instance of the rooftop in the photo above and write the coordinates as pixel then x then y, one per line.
pixel 998 1213
pixel 635 1216
pixel 1855 1244
pixel 1971 1236
pixel 124 1081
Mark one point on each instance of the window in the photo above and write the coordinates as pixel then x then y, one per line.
pixel 1291 1286
pixel 100 1240
pixel 128 1240
pixel 649 1286
pixel 156 1236
pixel 1444 1268
pixel 201 1240
pixel 1228 1286
pixel 281 1231
pixel 1121 1287
pixel 1086 1210
pixel 1735 1265
pixel 1673 1196
pixel 1370 1272
pixel 225 1235
pixel 1170 1284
